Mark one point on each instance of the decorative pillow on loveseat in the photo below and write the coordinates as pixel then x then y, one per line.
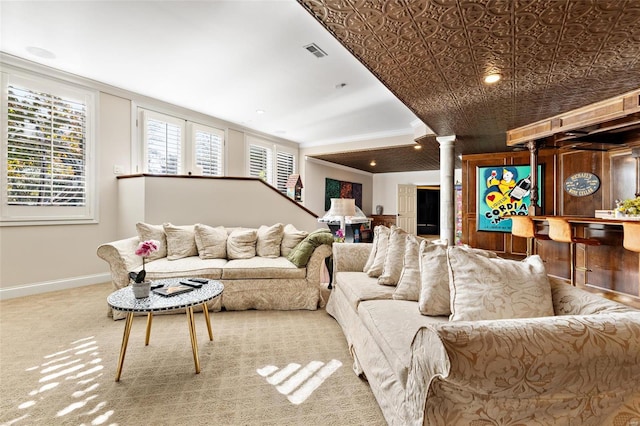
pixel 485 288
pixel 241 243
pixel 291 239
pixel 153 232
pixel 211 242
pixel 181 241
pixel 301 254
pixel 269 240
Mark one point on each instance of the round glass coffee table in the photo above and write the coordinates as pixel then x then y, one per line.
pixel 123 300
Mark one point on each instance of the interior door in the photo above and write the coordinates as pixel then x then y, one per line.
pixel 407 203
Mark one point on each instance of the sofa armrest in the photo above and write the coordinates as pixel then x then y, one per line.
pixel 573 360
pixel 314 266
pixel 121 257
pixel 350 257
pixel 569 300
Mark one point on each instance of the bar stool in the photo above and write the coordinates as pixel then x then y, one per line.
pixel 560 231
pixel 631 239
pixel 523 226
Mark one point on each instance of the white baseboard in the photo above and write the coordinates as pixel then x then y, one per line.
pixel 47 286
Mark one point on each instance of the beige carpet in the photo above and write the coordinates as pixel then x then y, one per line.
pixel 59 354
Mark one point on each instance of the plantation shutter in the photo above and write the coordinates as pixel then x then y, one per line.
pixel 285 167
pixel 209 143
pixel 261 163
pixel 46 149
pixel 163 137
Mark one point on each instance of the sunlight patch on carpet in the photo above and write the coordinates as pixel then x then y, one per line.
pixel 297 382
pixel 61 372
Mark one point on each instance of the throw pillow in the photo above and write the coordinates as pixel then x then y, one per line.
pixel 153 232
pixel 269 240
pixel 434 280
pixel 241 243
pixel 181 241
pixel 380 252
pixel 485 288
pixel 291 238
pixel 301 253
pixel 211 242
pixel 408 287
pixel 392 267
pixel 374 248
pixel 434 297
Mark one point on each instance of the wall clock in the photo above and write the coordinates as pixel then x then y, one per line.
pixel 581 184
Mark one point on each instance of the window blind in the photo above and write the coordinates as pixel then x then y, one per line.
pixel 261 163
pixel 164 146
pixel 208 149
pixel 285 167
pixel 46 149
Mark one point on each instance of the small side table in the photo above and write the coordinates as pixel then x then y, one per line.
pixel 123 300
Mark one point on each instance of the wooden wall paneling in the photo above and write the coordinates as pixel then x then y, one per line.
pixel 623 177
pixel 572 162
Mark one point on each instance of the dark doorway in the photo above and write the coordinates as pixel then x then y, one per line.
pixel 428 211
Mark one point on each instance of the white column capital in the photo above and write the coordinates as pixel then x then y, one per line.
pixel 446 140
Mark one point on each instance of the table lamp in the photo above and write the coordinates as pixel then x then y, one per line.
pixel 342 207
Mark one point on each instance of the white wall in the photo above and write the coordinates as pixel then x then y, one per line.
pixel 386 186
pixel 59 256
pixel 34 259
pixel 215 202
pixel 313 181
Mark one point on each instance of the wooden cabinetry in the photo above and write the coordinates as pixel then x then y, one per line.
pixel 383 219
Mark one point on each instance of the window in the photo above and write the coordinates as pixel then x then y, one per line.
pixel 286 166
pixel 209 144
pixel 176 146
pixel 271 162
pixel 47 151
pixel 261 163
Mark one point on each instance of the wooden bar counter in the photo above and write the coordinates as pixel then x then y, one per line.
pixel 608 268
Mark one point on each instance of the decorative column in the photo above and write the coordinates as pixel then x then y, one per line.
pixel 534 206
pixel 447 195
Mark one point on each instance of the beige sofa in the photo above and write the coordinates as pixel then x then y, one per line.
pixel 253 264
pixel 578 366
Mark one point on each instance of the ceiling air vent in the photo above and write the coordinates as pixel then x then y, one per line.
pixel 315 50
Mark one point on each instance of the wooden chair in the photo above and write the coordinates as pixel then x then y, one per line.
pixel 560 230
pixel 523 226
pixel 631 239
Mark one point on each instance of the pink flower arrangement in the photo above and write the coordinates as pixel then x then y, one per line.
pixel 339 236
pixel 144 250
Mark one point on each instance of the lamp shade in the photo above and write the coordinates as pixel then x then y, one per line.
pixel 343 207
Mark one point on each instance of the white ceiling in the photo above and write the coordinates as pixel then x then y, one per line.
pixel 226 59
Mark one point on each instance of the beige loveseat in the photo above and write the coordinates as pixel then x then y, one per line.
pixel 578 365
pixel 272 267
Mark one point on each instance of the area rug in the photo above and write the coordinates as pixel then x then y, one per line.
pixel 59 351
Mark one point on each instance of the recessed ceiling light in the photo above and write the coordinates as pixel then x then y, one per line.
pixel 372 163
pixel 259 111
pixel 492 78
pixel 417 147
pixel 40 52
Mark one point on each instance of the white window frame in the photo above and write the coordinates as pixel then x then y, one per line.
pixel 188 164
pixel 274 149
pixel 192 160
pixel 12 215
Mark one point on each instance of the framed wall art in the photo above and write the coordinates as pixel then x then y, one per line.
pixel 340 189
pixel 503 191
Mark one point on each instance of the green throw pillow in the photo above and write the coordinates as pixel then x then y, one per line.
pixel 301 253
